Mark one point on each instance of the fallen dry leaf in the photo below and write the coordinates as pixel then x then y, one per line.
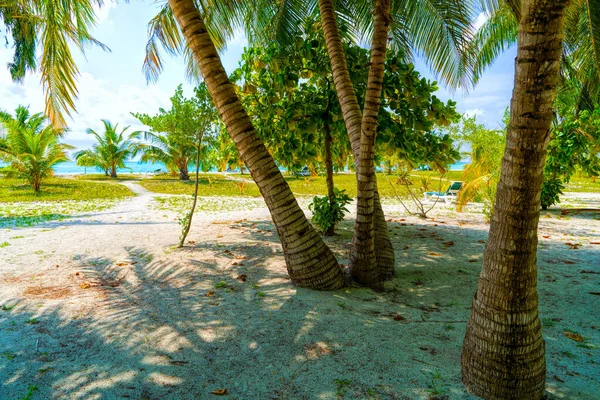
pixel 241 257
pixel 481 241
pixel 191 242
pixel 219 392
pixel 210 294
pixel 558 379
pixel 219 236
pixel 569 262
pixel 574 336
pixel 472 260
pixel 399 317
pixel 546 236
pixel 594 242
pixel 242 278
pixel 405 248
pixel 122 264
pixel 433 254
pixel 85 285
pixel 448 243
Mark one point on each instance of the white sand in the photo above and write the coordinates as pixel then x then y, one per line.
pixel 118 312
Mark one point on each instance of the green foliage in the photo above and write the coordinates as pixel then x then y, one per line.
pixel 327 212
pixel 481 176
pixel 290 96
pixel 55 27
pixel 111 151
pixel 174 133
pixel 31 146
pixel 575 144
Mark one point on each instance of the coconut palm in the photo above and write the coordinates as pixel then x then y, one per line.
pixel 438 30
pixel 503 355
pixel 310 262
pixel 52 26
pixel 31 145
pixel 111 151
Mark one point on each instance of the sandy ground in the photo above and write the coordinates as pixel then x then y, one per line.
pixel 103 306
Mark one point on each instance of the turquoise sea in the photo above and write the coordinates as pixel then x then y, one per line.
pixel 137 167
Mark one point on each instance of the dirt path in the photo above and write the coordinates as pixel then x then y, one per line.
pixel 103 306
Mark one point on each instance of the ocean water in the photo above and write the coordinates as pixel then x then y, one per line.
pixel 137 167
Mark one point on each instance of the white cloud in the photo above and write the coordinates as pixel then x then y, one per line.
pixel 102 13
pixel 98 99
pixel 474 111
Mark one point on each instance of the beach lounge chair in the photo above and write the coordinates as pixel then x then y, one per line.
pixel 450 195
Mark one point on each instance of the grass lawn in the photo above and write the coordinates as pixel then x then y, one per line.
pixel 58 198
pixel 210 185
pixel 581 184
pixel 60 189
pixel 218 185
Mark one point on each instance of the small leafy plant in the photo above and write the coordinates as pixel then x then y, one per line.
pixel 327 212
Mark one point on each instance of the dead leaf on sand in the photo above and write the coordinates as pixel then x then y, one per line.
pixel 242 278
pixel 85 285
pixel 220 392
pixel 399 317
pixel 574 336
pixel 433 254
pixel 472 260
pixel 210 294
pixel 448 243
pixel 481 241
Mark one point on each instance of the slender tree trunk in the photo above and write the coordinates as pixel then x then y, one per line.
pixel 328 167
pixel 362 259
pixel 105 171
pixel 503 351
pixel 309 261
pixel 188 225
pixel 113 171
pixel 353 119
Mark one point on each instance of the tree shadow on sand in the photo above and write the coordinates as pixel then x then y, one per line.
pixel 223 315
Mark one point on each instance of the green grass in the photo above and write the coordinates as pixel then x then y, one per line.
pixel 218 185
pixel 4 244
pixel 59 198
pixel 180 204
pixel 581 184
pixel 210 185
pixel 104 178
pixel 60 189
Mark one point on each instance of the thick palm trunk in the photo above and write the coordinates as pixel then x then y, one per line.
pixel 503 351
pixel 309 261
pixel 113 171
pixel 353 119
pixel 362 259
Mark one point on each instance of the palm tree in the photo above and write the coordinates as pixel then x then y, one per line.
pixel 503 355
pixel 174 154
pixel 111 151
pixel 310 262
pixel 438 30
pixel 53 26
pixel 31 145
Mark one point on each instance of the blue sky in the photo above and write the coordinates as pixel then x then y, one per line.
pixel 112 85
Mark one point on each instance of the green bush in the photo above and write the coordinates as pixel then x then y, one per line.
pixel 328 212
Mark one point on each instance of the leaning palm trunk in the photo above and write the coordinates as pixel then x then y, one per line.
pixel 353 119
pixel 362 257
pixel 309 261
pixel 503 351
